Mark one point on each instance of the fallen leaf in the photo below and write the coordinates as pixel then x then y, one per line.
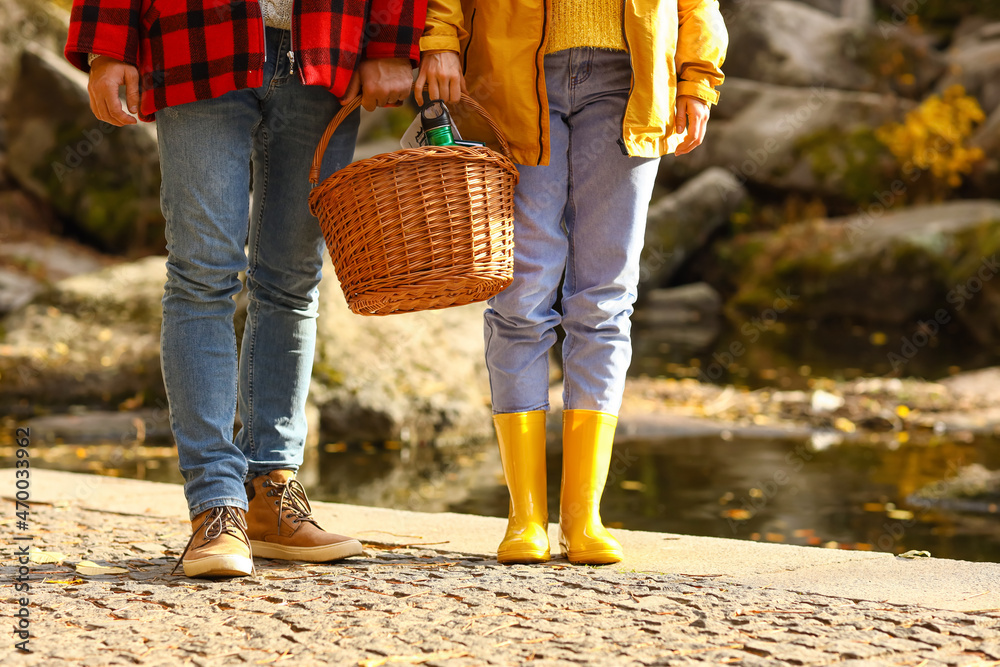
pixel 93 569
pixel 913 553
pixel 36 555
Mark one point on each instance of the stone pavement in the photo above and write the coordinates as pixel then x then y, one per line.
pixel 409 602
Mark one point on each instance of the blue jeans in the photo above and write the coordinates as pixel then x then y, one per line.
pixel 215 230
pixel 580 220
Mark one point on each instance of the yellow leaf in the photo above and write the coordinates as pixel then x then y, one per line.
pixel 93 569
pixel 845 425
pixel 913 553
pixel 36 555
pixel 902 411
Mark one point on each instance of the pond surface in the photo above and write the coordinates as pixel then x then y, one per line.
pixel 849 496
pixel 761 353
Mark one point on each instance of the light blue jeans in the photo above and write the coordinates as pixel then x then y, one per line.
pixel 579 220
pixel 214 231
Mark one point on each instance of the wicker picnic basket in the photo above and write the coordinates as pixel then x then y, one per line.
pixel 418 228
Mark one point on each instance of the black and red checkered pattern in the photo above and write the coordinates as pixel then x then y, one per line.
pixel 189 50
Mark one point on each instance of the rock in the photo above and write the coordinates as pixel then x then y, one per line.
pixel 975 65
pixel 987 138
pixel 933 264
pixel 790 43
pixel 682 222
pixel 91 339
pixel 815 140
pixel 674 322
pixel 982 384
pixel 94 340
pixel 402 377
pixel 823 401
pixel 38 22
pixel 32 255
pixel 20 215
pixel 149 425
pixel 859 11
pixel 106 180
pixel 974 489
pixel 16 290
pixel 686 305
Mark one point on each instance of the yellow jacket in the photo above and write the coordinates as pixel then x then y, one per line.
pixel 676 46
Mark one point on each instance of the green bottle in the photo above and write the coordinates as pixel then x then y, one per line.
pixel 436 123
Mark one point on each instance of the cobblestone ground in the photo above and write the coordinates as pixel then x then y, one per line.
pixel 404 606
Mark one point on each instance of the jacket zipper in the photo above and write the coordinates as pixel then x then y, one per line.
pixel 465 56
pixel 263 31
pixel 542 104
pixel 631 83
pixel 291 52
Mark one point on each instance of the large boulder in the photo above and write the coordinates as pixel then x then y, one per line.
pixel 816 140
pixel 682 222
pixel 858 10
pixel 974 64
pixel 33 254
pixel 91 339
pixel 986 138
pixel 38 22
pixel 106 180
pixel 94 340
pixel 791 43
pixel 933 263
pixel 406 376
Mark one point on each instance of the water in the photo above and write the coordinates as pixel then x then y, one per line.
pixel 790 355
pixel 852 495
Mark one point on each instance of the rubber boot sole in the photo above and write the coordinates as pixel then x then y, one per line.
pixel 526 556
pixel 319 554
pixel 594 556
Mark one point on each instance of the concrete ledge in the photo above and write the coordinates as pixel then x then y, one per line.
pixel 858 575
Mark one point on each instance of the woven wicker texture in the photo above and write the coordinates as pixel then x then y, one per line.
pixel 418 228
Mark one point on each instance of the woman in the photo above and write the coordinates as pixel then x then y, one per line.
pixel 589 94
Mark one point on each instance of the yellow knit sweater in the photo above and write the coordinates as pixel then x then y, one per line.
pixel 596 23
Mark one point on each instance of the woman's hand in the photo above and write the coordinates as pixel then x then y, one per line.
pixel 441 71
pixel 692 115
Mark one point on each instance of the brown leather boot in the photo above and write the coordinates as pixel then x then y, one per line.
pixel 280 523
pixel 219 546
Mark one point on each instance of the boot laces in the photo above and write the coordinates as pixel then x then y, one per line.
pixel 292 503
pixel 220 520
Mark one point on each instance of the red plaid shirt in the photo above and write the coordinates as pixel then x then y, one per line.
pixel 187 50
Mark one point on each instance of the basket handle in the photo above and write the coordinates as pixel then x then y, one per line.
pixel 349 108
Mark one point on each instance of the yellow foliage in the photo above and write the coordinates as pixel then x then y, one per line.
pixel 932 136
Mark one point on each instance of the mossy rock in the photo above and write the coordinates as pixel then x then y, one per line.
pixel 104 180
pixel 892 269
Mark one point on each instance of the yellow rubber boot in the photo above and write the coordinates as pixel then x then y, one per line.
pixel 588 437
pixel 522 452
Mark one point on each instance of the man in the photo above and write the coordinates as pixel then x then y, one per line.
pixel 230 84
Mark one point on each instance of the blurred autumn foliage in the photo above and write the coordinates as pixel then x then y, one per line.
pixel 933 138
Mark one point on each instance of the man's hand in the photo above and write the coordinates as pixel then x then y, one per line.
pixel 382 82
pixel 692 115
pixel 441 71
pixel 107 75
